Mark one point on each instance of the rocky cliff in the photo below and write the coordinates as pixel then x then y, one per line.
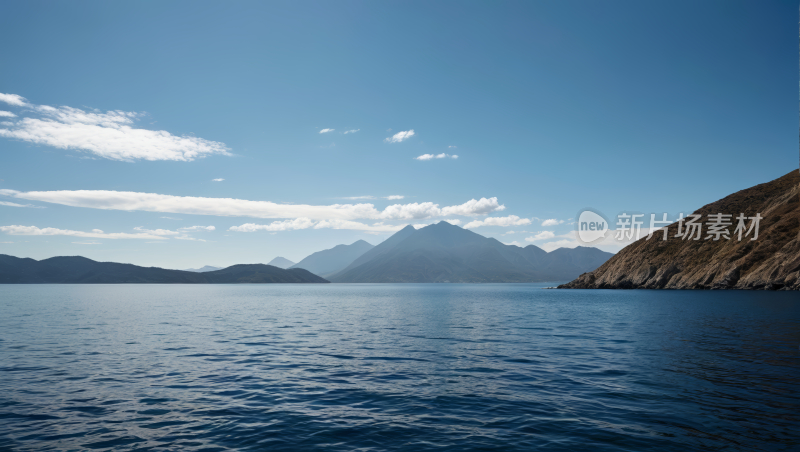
pixel 772 262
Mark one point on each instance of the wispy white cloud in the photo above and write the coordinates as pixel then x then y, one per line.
pixel 197 228
pixel 544 235
pixel 159 232
pixel 356 226
pixel 217 180
pixel 609 243
pixel 180 234
pixel 275 226
pixel 13 204
pixel 7 114
pixel 307 223
pixel 326 130
pixel 452 147
pixel 435 156
pixel 424 210
pixel 564 243
pixel 87 243
pixel 13 99
pixel 516 232
pixel 474 207
pixel 351 131
pixel 95 233
pixel 552 222
pixel 109 135
pixel 400 136
pixel 514 243
pixel 170 218
pixel 151 202
pixel 511 220
pixel 356 198
pixel 186 237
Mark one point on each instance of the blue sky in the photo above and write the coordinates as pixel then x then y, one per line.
pixel 551 107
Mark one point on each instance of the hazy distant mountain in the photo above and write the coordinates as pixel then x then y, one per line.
pixel 80 270
pixel 281 262
pixel 380 249
pixel 446 253
pixel 328 262
pixel 204 269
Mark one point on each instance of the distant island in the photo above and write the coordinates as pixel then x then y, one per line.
pixel 772 262
pixel 80 270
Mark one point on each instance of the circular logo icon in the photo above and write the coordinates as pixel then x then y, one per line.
pixel 592 226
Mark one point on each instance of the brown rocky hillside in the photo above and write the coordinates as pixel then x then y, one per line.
pixel 772 262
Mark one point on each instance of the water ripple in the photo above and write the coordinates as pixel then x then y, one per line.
pixel 396 367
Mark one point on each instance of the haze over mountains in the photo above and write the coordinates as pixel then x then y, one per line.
pixel 206 268
pixel 446 253
pixel 327 262
pixel 282 262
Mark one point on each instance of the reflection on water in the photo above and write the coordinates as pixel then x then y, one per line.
pixel 396 367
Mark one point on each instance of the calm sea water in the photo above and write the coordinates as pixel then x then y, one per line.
pixel 396 367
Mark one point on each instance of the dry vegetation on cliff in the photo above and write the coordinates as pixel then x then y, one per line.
pixel 770 263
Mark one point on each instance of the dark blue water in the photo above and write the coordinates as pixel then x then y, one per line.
pixel 396 367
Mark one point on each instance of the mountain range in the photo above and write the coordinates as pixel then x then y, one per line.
pixel 438 252
pixel 203 269
pixel 327 262
pixel 771 262
pixel 80 270
pixel 282 262
pixel 443 252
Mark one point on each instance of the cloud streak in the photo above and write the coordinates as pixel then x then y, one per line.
pixel 511 220
pixel 13 204
pixel 152 202
pixel 95 233
pixel 435 156
pixel 306 223
pixel 13 99
pixel 400 136
pixel 326 130
pixel 544 235
pixel 198 228
pixel 109 135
